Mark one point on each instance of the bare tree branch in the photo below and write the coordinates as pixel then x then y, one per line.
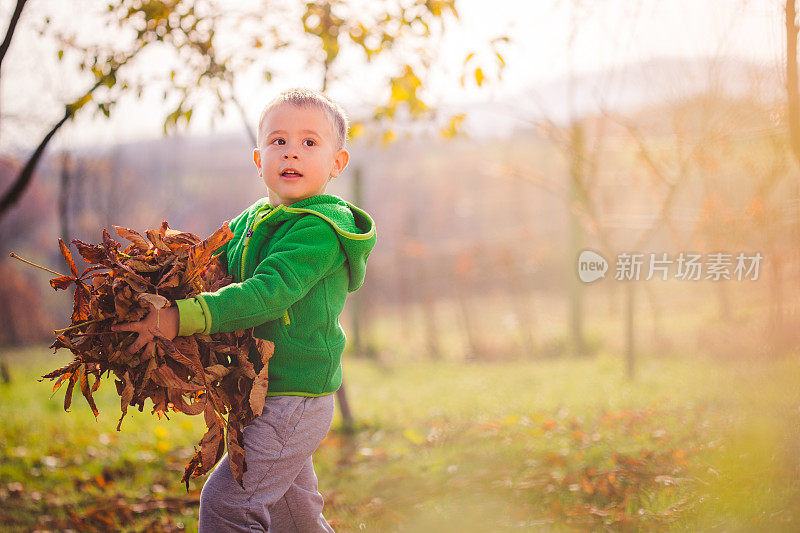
pixel 673 184
pixel 12 25
pixel 26 174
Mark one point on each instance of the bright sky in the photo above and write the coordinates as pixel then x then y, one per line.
pixel 610 33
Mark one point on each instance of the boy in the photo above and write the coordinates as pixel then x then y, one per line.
pixel 294 257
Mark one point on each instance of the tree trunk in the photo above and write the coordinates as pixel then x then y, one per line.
pixel 520 298
pixel 404 290
pixel 63 197
pixel 248 129
pixel 467 312
pixel 776 286
pixel 348 423
pixel 724 301
pixel 428 307
pixel 629 330
pixel 792 97
pixel 575 240
pixel 355 299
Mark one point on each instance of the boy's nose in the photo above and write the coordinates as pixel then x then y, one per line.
pixel 287 155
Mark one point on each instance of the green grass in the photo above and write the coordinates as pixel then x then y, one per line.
pixel 555 445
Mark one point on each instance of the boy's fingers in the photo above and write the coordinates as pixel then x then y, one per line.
pixel 133 348
pixel 126 326
pixel 140 341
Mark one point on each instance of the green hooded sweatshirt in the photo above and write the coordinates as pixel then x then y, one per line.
pixel 292 268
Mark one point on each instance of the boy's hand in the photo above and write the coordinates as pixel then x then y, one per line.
pixel 163 321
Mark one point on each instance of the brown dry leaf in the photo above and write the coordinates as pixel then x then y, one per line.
pixel 201 253
pixel 188 408
pixel 258 394
pixel 143 266
pixel 215 372
pixel 211 446
pixel 90 253
pixel 68 396
pixel 62 282
pixel 245 364
pixel 236 458
pixel 68 258
pixel 156 300
pixel 134 236
pixel 166 377
pixel 84 379
pixel 126 395
pixel 156 238
pixel 80 311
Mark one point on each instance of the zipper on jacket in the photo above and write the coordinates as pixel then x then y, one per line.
pixel 250 234
pixel 247 243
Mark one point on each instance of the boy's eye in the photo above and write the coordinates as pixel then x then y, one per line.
pixel 309 142
pixel 279 141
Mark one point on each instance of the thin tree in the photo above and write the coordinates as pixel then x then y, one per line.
pixel 792 90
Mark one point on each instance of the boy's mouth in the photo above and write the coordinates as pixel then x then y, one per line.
pixel 291 173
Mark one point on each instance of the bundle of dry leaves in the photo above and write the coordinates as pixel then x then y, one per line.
pixel 208 374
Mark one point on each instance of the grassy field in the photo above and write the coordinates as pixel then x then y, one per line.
pixel 553 445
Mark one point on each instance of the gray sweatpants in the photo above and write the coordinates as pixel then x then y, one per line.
pixel 280 486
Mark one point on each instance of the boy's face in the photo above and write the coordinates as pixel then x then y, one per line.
pixel 298 153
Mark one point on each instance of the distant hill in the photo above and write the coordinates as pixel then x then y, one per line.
pixel 625 90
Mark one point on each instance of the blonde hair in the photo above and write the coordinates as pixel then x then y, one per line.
pixel 301 97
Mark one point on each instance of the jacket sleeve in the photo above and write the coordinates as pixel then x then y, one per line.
pixel 191 318
pixel 309 251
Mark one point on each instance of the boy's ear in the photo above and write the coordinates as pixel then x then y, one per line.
pixel 257 159
pixel 340 161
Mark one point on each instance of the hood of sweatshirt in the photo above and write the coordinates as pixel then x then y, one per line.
pixel 354 227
